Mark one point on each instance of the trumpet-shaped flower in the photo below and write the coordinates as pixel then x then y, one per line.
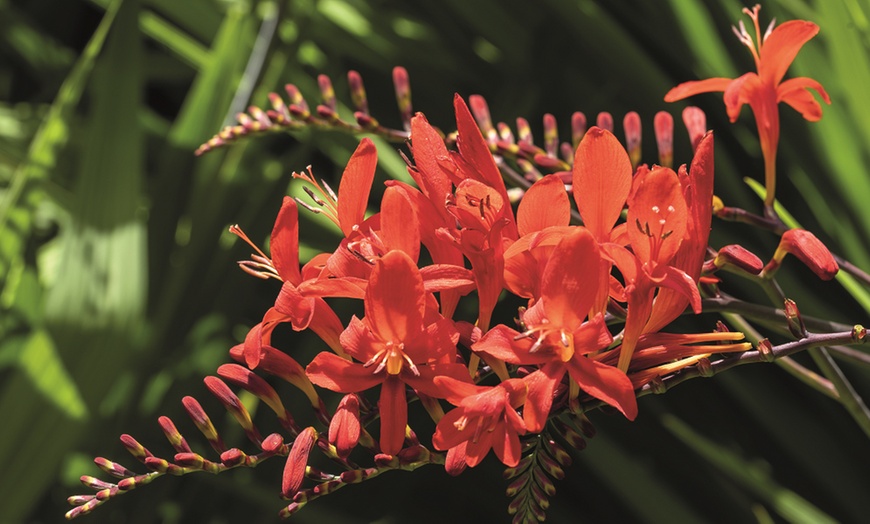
pixel 774 51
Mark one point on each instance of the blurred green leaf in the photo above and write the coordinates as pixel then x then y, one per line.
pixel 752 477
pixel 40 360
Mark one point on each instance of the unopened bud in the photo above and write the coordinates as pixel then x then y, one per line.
pixel 808 249
pixel 696 124
pixel 663 123
pixel 738 257
pixel 578 128
pixel 795 322
pixel 765 349
pixel 297 461
pixel 705 368
pixel 551 135
pixel 604 120
pixel 633 133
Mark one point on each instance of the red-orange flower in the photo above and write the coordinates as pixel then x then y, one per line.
pixel 763 91
pixel 485 418
pixel 399 341
pixel 558 338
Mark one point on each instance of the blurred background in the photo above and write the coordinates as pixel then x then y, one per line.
pixel 119 290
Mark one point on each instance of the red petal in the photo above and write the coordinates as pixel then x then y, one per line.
pixel 781 47
pixel 284 243
pixel 696 87
pixel 740 91
pixel 297 308
pixel 499 342
pixel 567 291
pixel 355 186
pixel 602 180
pixel 474 148
pixel 332 372
pixel 794 92
pixel 434 167
pixel 657 216
pixel 400 229
pixel 446 434
pixel 542 383
pixel 604 383
pixel 683 284
pixel 545 204
pixel 455 391
pixel 394 415
pixel 395 298
pixel 506 445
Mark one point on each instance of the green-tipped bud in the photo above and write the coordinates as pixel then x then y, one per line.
pixel 765 349
pixel 233 457
pixel 604 120
pixel 551 135
pixel 633 133
pixel 696 124
pixel 403 95
pixel 480 110
pixel 550 466
pixel 358 92
pixel 134 448
pixel 578 128
pixel 173 435
pixel 663 123
pixel 113 468
pixel 523 465
pixel 203 423
pixel 557 452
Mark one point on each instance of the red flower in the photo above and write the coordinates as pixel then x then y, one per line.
pixel 763 91
pixel 400 341
pixel 486 418
pixel 558 339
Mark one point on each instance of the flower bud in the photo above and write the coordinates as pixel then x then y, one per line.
pixel 297 462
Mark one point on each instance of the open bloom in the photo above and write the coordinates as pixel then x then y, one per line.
pixel 557 337
pixel 485 418
pixel 763 91
pixel 399 342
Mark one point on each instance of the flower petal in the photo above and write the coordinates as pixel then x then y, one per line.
pixel 601 180
pixel 657 216
pixel 332 372
pixel 284 243
pixel 605 383
pixel 542 383
pixel 355 186
pixel 567 291
pixel 795 92
pixel 434 169
pixel 545 204
pixel 781 46
pixel 395 298
pixel 696 87
pixel 400 229
pixel 393 407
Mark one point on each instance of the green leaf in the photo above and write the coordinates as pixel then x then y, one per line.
pixel 40 360
pixel 751 476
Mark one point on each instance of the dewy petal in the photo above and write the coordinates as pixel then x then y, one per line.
pixel 545 204
pixel 284 244
pixel 605 383
pixel 795 92
pixel 395 298
pixel 355 186
pixel 567 291
pixel 695 87
pixel 781 47
pixel 400 229
pixel 601 180
pixel 393 408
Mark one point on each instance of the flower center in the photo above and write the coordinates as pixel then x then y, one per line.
pixel 393 358
pixel 544 334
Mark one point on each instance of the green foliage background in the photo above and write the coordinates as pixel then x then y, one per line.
pixel 119 291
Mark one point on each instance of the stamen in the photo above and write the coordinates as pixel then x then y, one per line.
pixel 236 230
pixel 374 359
pixel 330 191
pixel 769 29
pixel 411 365
pixel 307 206
pixel 564 337
pixel 311 194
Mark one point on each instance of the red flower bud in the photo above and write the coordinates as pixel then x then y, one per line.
pixel 297 462
pixel 810 250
